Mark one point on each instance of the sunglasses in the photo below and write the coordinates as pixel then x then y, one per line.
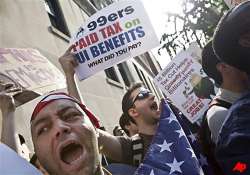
pixel 144 93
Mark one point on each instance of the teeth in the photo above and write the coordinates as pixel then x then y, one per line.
pixel 71 153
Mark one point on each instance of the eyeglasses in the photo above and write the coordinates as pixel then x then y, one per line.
pixel 144 93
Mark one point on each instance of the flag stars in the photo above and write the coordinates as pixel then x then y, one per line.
pixel 203 160
pixel 169 153
pixel 192 137
pixel 165 146
pixel 152 172
pixel 180 132
pixel 171 118
pixel 175 166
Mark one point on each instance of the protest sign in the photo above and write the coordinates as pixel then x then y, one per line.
pixel 12 163
pixel 118 32
pixel 30 70
pixel 233 3
pixel 186 85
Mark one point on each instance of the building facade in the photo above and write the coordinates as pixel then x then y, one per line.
pixel 46 25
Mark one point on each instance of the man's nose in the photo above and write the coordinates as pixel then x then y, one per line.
pixel 62 128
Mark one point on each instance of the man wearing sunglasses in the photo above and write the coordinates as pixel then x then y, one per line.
pixel 138 103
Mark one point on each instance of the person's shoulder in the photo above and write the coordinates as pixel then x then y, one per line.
pixel 243 100
pixel 241 108
pixel 216 111
pixel 237 119
pixel 124 140
pixel 234 138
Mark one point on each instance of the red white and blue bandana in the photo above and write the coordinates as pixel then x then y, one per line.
pixel 61 95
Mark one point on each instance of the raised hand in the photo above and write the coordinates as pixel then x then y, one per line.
pixel 68 62
pixel 7 106
pixel 7 103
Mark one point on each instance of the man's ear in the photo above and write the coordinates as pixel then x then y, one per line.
pixel 221 67
pixel 245 40
pixel 133 113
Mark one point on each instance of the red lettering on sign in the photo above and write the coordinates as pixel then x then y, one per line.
pixel 86 41
pixel 110 30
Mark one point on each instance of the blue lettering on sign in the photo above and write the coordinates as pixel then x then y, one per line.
pixel 116 42
pixel 94 50
pixel 140 31
pixel 82 56
pixel 111 44
pixel 102 20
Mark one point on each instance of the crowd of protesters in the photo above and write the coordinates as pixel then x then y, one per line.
pixel 68 138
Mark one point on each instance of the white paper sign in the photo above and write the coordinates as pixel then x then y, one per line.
pixel 233 3
pixel 31 70
pixel 13 164
pixel 186 85
pixel 115 33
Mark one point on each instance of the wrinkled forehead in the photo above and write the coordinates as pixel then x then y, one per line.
pixel 55 107
pixel 59 105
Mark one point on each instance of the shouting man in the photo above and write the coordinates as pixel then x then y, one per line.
pixel 64 138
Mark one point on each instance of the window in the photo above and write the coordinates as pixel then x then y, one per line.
pixel 55 15
pixel 141 76
pixel 124 74
pixel 99 4
pixel 111 73
pixel 145 80
pixel 153 87
pixel 138 72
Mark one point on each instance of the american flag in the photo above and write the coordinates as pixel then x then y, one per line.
pixel 192 138
pixel 170 152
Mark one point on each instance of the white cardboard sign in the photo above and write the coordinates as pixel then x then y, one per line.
pixel 186 85
pixel 118 32
pixel 29 68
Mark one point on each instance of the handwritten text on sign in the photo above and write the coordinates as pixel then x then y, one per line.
pixel 30 69
pixel 185 83
pixel 117 32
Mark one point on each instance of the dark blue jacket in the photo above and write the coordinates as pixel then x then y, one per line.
pixel 233 146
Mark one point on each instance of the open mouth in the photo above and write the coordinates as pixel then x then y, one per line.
pixel 154 106
pixel 71 153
